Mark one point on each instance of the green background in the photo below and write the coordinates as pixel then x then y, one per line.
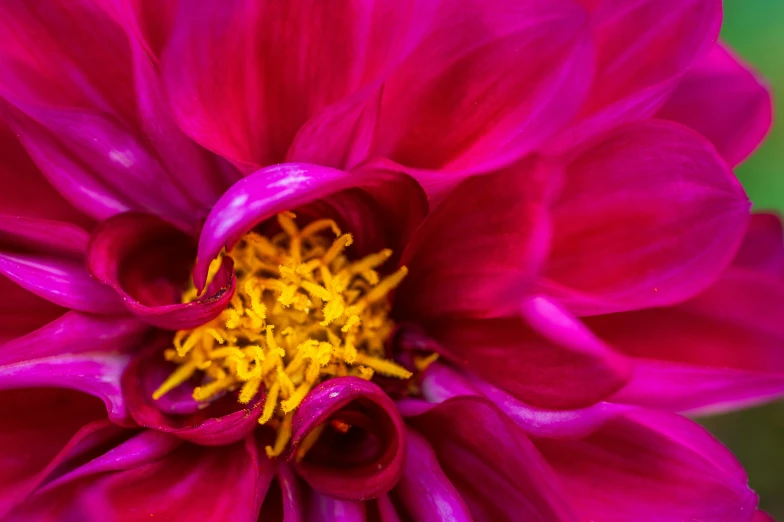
pixel 755 29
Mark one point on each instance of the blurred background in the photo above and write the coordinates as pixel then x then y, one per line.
pixel 755 29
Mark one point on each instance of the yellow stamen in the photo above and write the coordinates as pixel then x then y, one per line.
pixel 302 312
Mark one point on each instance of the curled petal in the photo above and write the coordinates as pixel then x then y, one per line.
pixel 424 491
pixel 659 464
pixel 271 190
pixel 222 421
pixel 362 463
pixel 494 467
pixel 649 216
pixel 146 261
pixel 725 102
pixel 441 383
pixel 47 258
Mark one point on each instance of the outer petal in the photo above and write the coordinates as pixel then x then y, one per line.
pixel 724 101
pixel 424 490
pixel 22 312
pixel 32 195
pixel 548 372
pixel 664 466
pixel 479 251
pixel 489 83
pixel 722 349
pixel 495 468
pixel 146 261
pixel 649 216
pixel 76 351
pixel 323 508
pixel 244 77
pixel 47 258
pixel 269 191
pixel 40 430
pixel 224 483
pixel 643 49
pixel 223 421
pixel 762 249
pixel 372 462
pixel 441 383
pixel 81 70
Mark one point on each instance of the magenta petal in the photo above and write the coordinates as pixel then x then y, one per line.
pixel 366 461
pixel 551 374
pixel 762 249
pixel 479 251
pixel 191 483
pixel 47 258
pixel 662 465
pixel 144 447
pixel 643 49
pixel 146 261
pixel 722 81
pixel 246 96
pixel 489 83
pixel 38 432
pixel 424 490
pixel 322 508
pixel 269 191
pixel 492 464
pixel 32 195
pixel 441 383
pixel 649 216
pixel 222 422
pixel 22 312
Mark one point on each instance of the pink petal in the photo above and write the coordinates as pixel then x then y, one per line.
pixel 721 98
pixel 654 466
pixel 424 490
pixel 375 458
pixel 246 95
pixel 223 421
pixel 762 249
pixel 269 191
pixel 323 508
pixel 40 429
pixel 146 261
pixel 532 368
pixel 492 464
pixel 479 251
pixel 649 216
pixel 22 312
pixel 193 483
pixel 718 351
pixel 489 83
pixel 32 195
pixel 441 383
pixel 80 70
pixel 47 258
pixel 643 49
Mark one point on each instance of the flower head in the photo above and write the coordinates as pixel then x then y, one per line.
pixel 358 260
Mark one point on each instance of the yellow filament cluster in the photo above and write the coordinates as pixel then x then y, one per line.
pixel 302 312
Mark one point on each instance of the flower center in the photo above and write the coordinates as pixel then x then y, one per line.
pixel 302 312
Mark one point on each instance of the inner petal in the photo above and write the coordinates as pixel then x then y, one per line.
pixel 303 311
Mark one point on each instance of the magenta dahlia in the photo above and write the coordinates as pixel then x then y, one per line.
pixel 426 260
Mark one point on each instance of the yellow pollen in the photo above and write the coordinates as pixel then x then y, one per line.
pixel 302 312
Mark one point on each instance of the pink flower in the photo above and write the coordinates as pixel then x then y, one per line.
pixel 546 264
